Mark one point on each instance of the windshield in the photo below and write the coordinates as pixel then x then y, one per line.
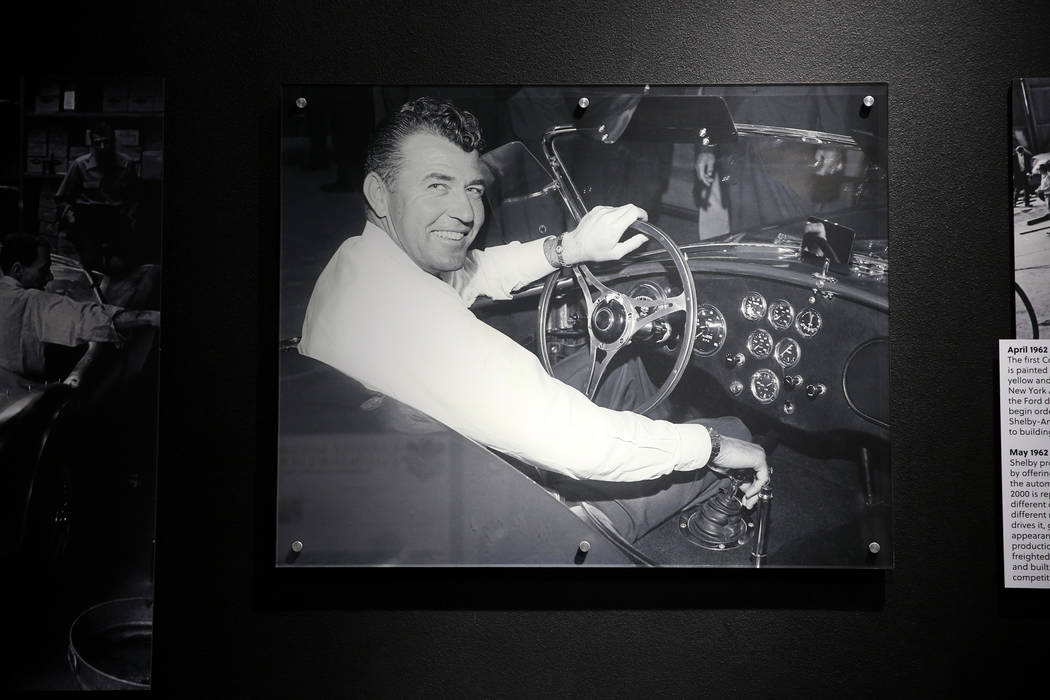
pixel 798 152
pixel 522 200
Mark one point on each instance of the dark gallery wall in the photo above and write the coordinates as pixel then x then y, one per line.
pixel 934 624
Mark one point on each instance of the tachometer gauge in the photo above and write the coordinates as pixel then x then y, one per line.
pixel 710 330
pixel 781 315
pixel 808 322
pixel 765 386
pixel 753 307
pixel 760 343
pixel 787 353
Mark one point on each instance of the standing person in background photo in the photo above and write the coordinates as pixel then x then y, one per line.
pixel 98 204
pixel 1022 171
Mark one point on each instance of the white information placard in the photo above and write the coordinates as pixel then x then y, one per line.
pixel 1024 409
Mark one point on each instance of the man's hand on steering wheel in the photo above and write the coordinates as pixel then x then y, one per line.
pixel 597 237
pixel 613 317
pixel 739 455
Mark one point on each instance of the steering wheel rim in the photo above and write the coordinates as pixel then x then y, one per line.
pixel 1029 309
pixel 613 318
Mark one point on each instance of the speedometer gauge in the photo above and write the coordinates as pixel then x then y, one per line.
pixel 781 315
pixel 808 322
pixel 760 343
pixel 765 386
pixel 710 330
pixel 753 307
pixel 787 353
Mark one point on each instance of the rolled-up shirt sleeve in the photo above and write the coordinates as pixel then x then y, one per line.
pixel 499 271
pixel 54 318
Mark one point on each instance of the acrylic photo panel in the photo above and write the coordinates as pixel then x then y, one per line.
pixel 756 304
pixel 1030 176
pixel 81 192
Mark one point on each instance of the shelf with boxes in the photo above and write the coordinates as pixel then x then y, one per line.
pixel 52 147
pixel 58 118
pixel 96 96
pixel 10 150
pixel 60 114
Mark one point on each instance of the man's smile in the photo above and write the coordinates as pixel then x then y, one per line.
pixel 447 235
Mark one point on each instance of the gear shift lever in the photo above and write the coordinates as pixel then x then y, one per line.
pixel 718 522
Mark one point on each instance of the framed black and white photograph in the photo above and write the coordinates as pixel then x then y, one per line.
pixel 572 326
pixel 81 185
pixel 1030 204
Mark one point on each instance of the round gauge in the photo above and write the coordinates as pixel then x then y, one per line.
pixel 808 322
pixel 710 330
pixel 781 315
pixel 765 386
pixel 753 307
pixel 760 343
pixel 787 353
pixel 647 291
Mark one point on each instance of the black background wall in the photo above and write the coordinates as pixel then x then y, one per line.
pixel 936 623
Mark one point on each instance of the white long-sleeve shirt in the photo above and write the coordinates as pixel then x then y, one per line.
pixel 31 317
pixel 377 317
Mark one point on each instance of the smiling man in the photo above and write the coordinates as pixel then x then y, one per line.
pixel 391 309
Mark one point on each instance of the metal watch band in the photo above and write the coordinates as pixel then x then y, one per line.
pixel 559 249
pixel 716 444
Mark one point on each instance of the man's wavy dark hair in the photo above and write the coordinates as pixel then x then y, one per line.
pixel 423 115
pixel 20 247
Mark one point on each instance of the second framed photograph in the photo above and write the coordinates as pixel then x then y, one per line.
pixel 1030 204
pixel 584 326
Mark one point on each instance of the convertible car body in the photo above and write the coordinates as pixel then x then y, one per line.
pixel 56 443
pixel 761 294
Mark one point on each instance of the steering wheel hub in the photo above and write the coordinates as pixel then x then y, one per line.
pixel 615 319
pixel 609 320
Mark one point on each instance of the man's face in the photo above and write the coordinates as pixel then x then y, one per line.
pixel 37 275
pixel 102 146
pixel 435 206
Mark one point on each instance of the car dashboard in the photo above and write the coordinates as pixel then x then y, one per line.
pixel 776 338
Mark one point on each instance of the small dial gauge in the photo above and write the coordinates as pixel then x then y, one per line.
pixel 753 307
pixel 787 353
pixel 760 343
pixel 808 322
pixel 647 291
pixel 710 330
pixel 765 386
pixel 781 315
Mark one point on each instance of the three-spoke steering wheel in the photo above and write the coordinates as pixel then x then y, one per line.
pixel 615 319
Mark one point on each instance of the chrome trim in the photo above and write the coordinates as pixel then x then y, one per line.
pixel 803 135
pixel 532 195
pixel 569 194
pixel 845 371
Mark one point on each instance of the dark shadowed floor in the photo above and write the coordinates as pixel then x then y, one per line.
pixel 109 554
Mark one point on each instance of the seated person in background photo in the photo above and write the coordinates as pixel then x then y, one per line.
pixel 391 310
pixel 98 203
pixel 31 317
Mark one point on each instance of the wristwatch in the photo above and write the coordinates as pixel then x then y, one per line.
pixel 716 444
pixel 559 249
